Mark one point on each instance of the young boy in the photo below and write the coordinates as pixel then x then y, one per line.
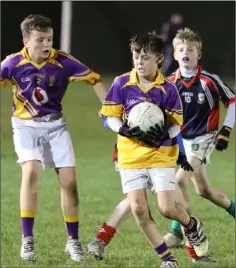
pixel 39 76
pixel 200 93
pixel 140 163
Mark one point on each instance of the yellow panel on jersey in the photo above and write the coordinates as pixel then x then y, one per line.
pixel 114 110
pixel 135 154
pixel 19 108
pixel 176 117
pixel 88 76
pixel 22 107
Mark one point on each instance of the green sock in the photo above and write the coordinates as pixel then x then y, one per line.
pixel 176 228
pixel 231 209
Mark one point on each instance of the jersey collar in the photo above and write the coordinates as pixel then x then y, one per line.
pixel 40 65
pixel 178 76
pixel 133 80
pixel 26 55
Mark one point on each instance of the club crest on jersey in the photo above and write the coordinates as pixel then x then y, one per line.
pixel 51 81
pixel 39 96
pixel 195 147
pixel 201 98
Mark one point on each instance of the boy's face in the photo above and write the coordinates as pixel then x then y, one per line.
pixel 39 44
pixel 187 55
pixel 145 64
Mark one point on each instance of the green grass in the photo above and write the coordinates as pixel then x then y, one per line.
pixel 100 191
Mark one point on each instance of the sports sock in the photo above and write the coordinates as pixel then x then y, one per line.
pixel 105 233
pixel 164 253
pixel 176 228
pixel 231 209
pixel 27 222
pixel 191 252
pixel 72 226
pixel 192 225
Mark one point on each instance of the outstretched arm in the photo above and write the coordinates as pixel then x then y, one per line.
pixel 100 89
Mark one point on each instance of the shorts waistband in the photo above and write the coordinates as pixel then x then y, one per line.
pixel 48 118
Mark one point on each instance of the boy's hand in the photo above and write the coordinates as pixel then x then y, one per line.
pixel 125 130
pixel 157 133
pixel 183 162
pixel 222 138
pixel 136 133
pixel 160 133
pixel 100 116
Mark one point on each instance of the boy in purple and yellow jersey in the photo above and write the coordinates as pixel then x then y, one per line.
pixel 39 76
pixel 152 156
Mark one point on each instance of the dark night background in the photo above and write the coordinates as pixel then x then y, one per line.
pixel 101 30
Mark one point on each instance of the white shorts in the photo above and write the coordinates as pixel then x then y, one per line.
pixel 201 147
pixel 155 179
pixel 48 142
pixel 116 166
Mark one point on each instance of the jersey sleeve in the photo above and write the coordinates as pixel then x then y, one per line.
pixel 113 105
pixel 5 72
pixel 173 108
pixel 77 71
pixel 227 95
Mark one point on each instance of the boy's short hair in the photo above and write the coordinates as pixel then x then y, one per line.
pixel 147 41
pixel 189 36
pixel 35 23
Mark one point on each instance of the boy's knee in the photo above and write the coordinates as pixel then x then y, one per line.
pixel 170 204
pixel 204 192
pixel 69 185
pixel 139 210
pixel 166 209
pixel 67 179
pixel 30 173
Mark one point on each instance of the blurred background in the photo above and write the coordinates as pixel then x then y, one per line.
pixel 100 36
pixel 101 30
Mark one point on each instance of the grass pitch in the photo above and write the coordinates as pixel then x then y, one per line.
pixel 100 191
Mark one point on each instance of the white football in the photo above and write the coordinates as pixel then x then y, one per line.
pixel 145 115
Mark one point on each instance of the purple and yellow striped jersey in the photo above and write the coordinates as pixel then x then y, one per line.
pixel 123 95
pixel 38 89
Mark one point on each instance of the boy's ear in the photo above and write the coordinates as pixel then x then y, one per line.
pixel 199 55
pixel 25 41
pixel 160 59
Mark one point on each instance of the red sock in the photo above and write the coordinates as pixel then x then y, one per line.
pixel 191 252
pixel 105 233
pixel 115 153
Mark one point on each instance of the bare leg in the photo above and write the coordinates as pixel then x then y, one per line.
pixel 205 190
pixel 31 171
pixel 108 229
pixel 70 210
